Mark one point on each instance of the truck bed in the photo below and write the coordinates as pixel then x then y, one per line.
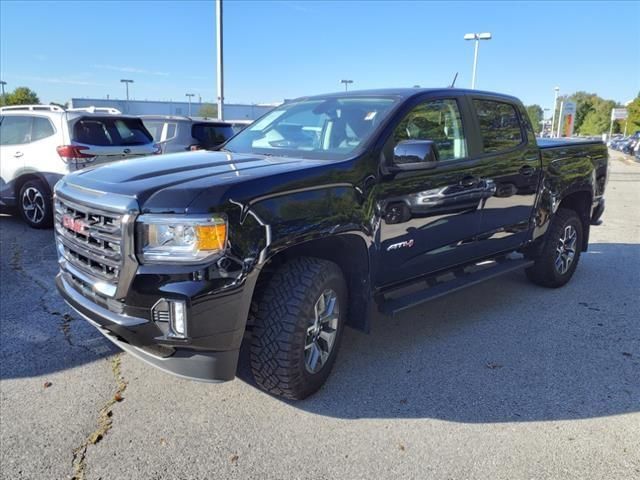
pixel 545 143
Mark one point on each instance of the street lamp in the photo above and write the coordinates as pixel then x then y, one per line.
pixel 555 102
pixel 126 83
pixel 2 84
pixel 477 37
pixel 190 95
pixel 346 84
pixel 219 58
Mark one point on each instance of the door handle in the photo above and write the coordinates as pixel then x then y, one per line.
pixel 527 170
pixel 18 154
pixel 468 181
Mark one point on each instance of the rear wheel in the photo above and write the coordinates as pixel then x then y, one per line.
pixel 298 327
pixel 559 258
pixel 35 205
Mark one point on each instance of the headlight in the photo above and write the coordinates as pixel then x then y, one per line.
pixel 180 239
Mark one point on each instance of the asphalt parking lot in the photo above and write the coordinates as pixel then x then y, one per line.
pixel 504 380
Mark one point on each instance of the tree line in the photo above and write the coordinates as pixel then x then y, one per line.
pixel 593 114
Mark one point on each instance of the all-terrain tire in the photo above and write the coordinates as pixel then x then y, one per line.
pixel 285 313
pixel 546 270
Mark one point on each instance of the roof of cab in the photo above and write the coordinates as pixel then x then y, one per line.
pixel 406 93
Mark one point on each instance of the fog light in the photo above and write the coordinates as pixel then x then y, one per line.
pixel 178 320
pixel 173 312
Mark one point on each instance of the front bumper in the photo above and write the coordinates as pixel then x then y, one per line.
pixel 139 337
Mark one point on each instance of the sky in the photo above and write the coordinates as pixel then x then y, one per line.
pixel 284 49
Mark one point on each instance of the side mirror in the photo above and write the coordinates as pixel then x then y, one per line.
pixel 415 155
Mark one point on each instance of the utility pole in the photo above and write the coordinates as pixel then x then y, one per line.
pixel 560 118
pixel 219 64
pixel 126 83
pixel 189 95
pixel 346 84
pixel 477 37
pixel 555 103
pixel 2 84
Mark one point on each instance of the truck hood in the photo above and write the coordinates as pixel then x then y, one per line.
pixel 170 183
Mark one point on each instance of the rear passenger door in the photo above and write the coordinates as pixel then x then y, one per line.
pixel 511 159
pixel 15 135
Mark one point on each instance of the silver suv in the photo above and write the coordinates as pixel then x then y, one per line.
pixel 39 144
pixel 177 134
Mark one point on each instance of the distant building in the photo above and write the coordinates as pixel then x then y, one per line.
pixel 152 107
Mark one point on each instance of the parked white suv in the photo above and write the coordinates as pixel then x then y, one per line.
pixel 41 143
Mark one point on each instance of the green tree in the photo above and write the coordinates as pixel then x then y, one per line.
pixel 22 96
pixel 633 118
pixel 208 110
pixel 584 104
pixel 535 116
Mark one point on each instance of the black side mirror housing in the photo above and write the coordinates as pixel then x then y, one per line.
pixel 415 155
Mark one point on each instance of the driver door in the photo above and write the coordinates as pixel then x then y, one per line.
pixel 429 218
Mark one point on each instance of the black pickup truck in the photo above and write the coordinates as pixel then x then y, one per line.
pixel 322 212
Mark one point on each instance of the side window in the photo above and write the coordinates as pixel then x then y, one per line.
pixel 154 128
pixel 499 125
pixel 438 121
pixel 15 130
pixel 171 131
pixel 42 128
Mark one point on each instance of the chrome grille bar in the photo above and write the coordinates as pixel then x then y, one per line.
pixel 89 245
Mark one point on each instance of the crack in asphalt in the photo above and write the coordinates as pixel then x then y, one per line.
pixel 104 422
pixel 66 318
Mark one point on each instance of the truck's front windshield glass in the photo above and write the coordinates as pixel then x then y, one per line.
pixel 319 128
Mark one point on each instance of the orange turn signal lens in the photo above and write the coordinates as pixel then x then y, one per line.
pixel 212 237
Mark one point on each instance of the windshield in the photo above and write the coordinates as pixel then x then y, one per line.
pixel 324 128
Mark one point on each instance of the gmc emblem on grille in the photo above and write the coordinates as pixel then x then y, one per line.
pixel 73 224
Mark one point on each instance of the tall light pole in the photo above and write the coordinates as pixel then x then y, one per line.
pixel 477 37
pixel 219 69
pixel 189 95
pixel 2 84
pixel 555 103
pixel 127 82
pixel 346 84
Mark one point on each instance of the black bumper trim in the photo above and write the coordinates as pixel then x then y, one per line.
pixel 205 366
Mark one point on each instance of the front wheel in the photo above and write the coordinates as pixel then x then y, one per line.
pixel 35 205
pixel 559 257
pixel 298 327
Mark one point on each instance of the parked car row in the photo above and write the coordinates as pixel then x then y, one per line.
pixel 39 144
pixel 629 145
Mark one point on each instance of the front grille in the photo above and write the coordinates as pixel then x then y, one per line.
pixel 90 240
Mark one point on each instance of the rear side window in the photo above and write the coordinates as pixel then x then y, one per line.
pixel 210 135
pixel 111 132
pixel 499 125
pixel 15 130
pixel 42 128
pixel 155 129
pixel 171 130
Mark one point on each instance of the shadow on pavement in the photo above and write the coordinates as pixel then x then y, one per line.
pixel 39 333
pixel 502 351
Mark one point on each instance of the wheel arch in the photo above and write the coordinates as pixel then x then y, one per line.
pixel 26 175
pixel 350 252
pixel 580 202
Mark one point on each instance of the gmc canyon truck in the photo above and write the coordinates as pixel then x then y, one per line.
pixel 323 211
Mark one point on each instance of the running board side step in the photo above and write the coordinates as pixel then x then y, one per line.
pixel 392 306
